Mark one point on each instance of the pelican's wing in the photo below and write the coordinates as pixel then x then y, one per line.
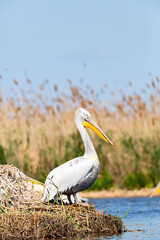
pixel 66 176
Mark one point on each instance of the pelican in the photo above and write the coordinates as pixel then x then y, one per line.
pixel 156 191
pixel 79 173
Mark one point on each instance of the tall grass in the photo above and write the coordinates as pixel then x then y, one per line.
pixel 36 136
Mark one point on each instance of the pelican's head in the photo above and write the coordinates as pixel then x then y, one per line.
pixel 86 120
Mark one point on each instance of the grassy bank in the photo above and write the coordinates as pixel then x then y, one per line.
pixel 24 216
pixel 40 221
pixel 37 136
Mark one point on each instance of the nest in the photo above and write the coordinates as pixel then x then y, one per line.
pixel 14 188
pixel 24 216
pixel 48 221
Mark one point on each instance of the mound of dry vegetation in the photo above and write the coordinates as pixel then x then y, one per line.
pixel 24 216
pixel 15 192
pixel 49 222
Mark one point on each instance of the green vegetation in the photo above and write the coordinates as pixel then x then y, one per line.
pixel 37 137
pixel 102 182
pixel 2 156
pixel 137 161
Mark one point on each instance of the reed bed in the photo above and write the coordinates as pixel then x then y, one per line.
pixel 38 133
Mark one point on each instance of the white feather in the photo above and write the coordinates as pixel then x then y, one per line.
pixel 67 175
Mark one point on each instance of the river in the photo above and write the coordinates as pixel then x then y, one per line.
pixel 142 213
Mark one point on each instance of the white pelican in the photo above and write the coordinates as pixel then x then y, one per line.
pixel 79 173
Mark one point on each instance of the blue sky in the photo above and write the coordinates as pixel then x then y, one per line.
pixel 104 42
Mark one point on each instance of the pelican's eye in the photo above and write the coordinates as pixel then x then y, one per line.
pixel 86 118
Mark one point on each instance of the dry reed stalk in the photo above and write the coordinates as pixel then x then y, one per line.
pixel 33 125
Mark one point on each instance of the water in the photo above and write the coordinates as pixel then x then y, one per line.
pixel 143 214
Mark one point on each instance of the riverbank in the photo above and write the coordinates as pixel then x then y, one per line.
pixel 47 221
pixel 117 193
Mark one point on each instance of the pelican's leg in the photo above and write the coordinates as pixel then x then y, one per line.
pixel 69 199
pixel 75 198
pixel 79 201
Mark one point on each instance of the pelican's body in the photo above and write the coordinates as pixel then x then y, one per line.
pixel 80 173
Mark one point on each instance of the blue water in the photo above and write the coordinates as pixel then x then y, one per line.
pixel 143 214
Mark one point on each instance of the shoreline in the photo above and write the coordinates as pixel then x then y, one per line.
pixel 118 193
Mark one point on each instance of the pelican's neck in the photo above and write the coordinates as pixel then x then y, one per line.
pixel 88 145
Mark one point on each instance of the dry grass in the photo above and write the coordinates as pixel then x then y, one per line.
pixel 14 189
pixel 38 136
pixel 50 222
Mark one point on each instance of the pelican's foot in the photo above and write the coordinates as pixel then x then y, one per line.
pixel 85 204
